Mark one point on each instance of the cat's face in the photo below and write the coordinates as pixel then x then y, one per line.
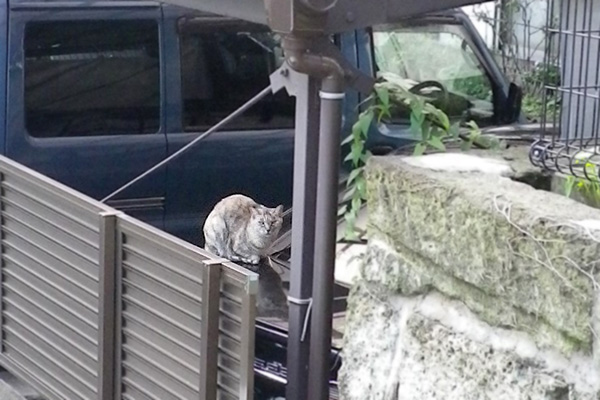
pixel 267 221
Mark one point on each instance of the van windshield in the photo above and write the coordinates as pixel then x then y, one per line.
pixel 436 61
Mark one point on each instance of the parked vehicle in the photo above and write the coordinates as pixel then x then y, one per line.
pixel 98 92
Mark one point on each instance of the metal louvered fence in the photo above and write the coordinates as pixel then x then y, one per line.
pixel 97 305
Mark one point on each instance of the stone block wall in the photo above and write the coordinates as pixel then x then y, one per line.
pixel 473 287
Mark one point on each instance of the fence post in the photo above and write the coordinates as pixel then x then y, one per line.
pixel 209 337
pixel 247 340
pixel 2 222
pixel 106 302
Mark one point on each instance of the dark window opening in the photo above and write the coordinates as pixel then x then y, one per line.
pixel 92 78
pixel 224 64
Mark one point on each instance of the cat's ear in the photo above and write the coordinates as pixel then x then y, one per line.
pixel 278 210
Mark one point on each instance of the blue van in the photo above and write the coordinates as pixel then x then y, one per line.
pixel 98 92
pixel 95 93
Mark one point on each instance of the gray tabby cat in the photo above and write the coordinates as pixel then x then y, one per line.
pixel 240 229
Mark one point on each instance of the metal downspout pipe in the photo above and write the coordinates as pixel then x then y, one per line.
pixel 332 95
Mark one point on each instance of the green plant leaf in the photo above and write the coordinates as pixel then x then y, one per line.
pixel 356 151
pixel 356 203
pixel 493 143
pixel 439 132
pixel 350 233
pixel 385 112
pixel 365 122
pixel 592 171
pixel 349 194
pixel 454 130
pixel 420 149
pixel 466 145
pixel 348 139
pixel 365 101
pixel 353 175
pixel 474 128
pixel 361 186
pixel 356 131
pixel 416 126
pixel 436 143
pixel 442 118
pixel 365 157
pixel 569 184
pixel 427 130
pixel 384 95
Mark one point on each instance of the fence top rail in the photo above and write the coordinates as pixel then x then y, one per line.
pixel 246 278
pixel 10 167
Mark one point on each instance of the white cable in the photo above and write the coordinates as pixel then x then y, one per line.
pixel 332 96
pixel 216 127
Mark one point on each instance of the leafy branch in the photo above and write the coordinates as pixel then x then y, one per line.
pixel 356 185
pixel 429 125
pixel 588 188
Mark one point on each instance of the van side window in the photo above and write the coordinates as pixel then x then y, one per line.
pixel 91 78
pixel 225 63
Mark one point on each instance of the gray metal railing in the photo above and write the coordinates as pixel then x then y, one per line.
pixel 98 305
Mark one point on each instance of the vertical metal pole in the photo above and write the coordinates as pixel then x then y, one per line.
pixel 106 312
pixel 332 95
pixel 209 337
pixel 306 148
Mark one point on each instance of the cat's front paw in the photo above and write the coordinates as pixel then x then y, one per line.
pixel 254 260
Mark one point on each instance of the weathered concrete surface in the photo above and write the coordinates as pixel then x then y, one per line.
pixel 430 347
pixel 12 388
pixel 517 260
pixel 8 393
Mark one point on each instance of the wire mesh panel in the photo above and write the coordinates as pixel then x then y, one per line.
pixel 50 280
pixel 168 307
pixel 571 123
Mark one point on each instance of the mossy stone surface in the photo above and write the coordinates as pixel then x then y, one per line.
pixel 515 255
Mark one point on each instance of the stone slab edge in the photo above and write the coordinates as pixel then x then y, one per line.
pixel 518 249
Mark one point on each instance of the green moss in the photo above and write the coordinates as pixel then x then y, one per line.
pixel 581 190
pixel 410 274
pixel 444 240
